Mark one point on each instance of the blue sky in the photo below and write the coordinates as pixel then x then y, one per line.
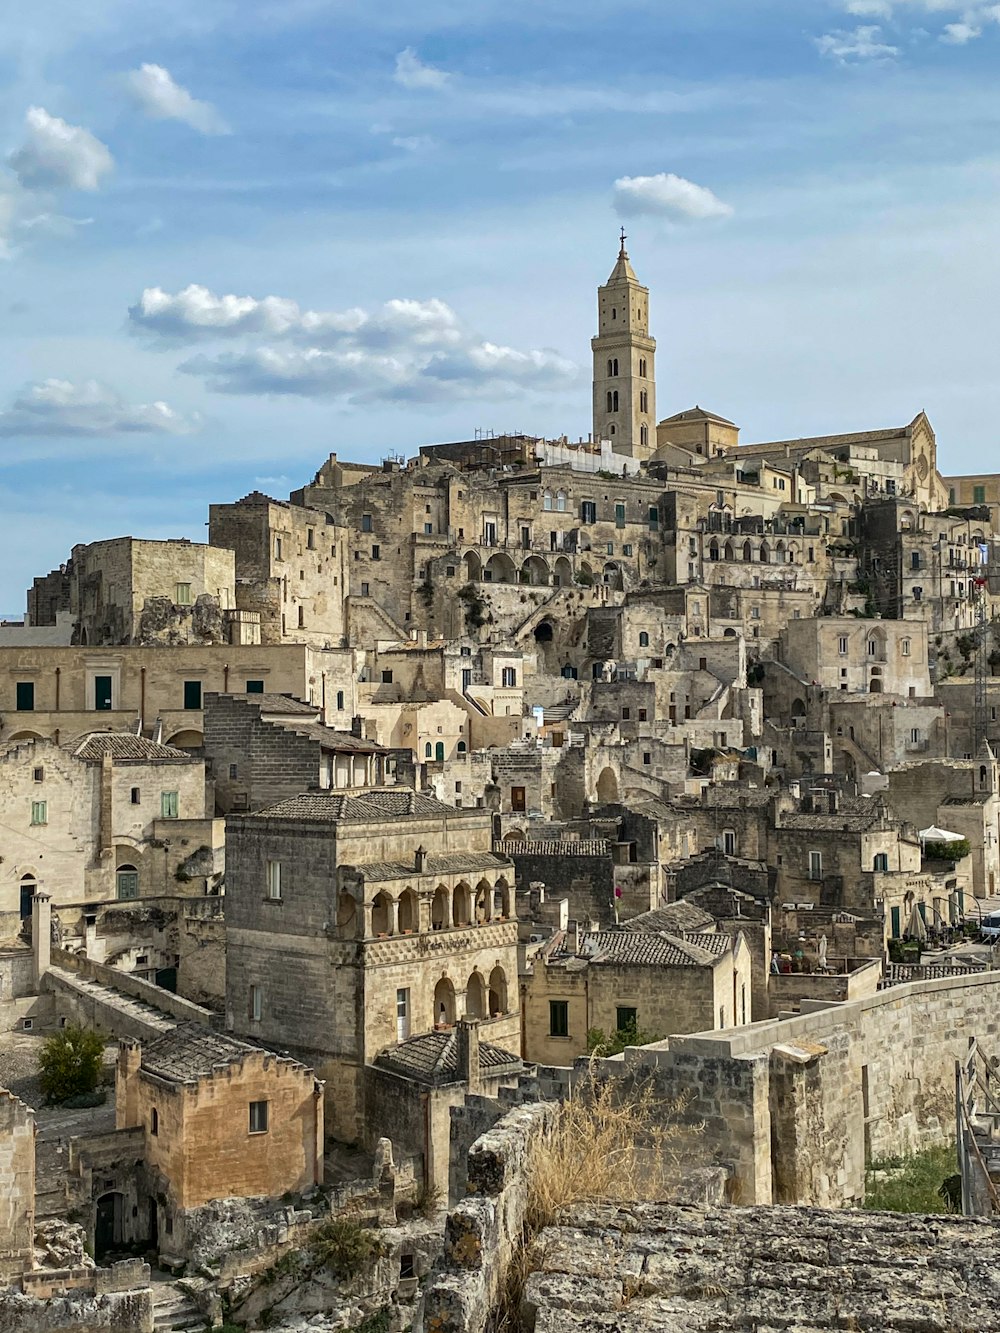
pixel 239 235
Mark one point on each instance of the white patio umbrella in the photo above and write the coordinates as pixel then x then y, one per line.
pixel 915 927
pixel 935 834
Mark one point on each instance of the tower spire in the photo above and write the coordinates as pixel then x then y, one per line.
pixel 623 240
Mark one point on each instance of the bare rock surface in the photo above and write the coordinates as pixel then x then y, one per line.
pixel 675 1269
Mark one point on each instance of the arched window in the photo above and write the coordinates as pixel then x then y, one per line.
pixel 611 430
pixel 611 399
pixel 498 992
pixel 644 435
pixel 561 501
pixel 127 882
pixel 643 639
pixel 440 909
pixel 409 912
pixel 28 886
pixel 610 364
pixel 428 750
pixel 340 700
pixel 462 747
pixel 444 1004
pixel 461 905
pixel 382 914
pixel 614 366
pixel 614 312
pixel 713 549
pixel 747 552
pixel 547 500
pixel 475 996
pixel 614 397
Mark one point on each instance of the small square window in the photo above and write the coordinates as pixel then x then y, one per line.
pixel 364 590
pixel 255 687
pixel 38 775
pixel 387 678
pixel 135 796
pixel 366 522
pixel 258 1117
pixel 376 553
pixel 626 1018
pixel 233 770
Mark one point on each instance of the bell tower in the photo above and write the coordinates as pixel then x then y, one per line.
pixel 624 363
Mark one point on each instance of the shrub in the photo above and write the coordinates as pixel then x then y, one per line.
pixel 70 1064
pixel 947 851
pixel 914 1184
pixel 343 1247
pixel 600 1045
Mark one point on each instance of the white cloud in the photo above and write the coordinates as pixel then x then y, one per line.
pixel 957 34
pixel 667 195
pixel 406 351
pixel 159 96
pixel 413 143
pixel 861 44
pixel 870 9
pixel 411 72
pixel 56 155
pixel 60 407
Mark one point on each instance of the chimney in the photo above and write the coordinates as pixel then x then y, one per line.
pixel 834 799
pixel 420 861
pixel 41 935
pixel 127 1084
pixel 573 937
pixel 467 1046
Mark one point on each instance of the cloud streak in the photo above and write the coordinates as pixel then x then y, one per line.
pixel 156 93
pixel 57 407
pixel 406 351
pixel 412 73
pixel 667 195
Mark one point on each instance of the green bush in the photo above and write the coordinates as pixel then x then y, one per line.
pixel 601 1045
pixel 70 1064
pixel 947 851
pixel 912 1184
pixel 344 1247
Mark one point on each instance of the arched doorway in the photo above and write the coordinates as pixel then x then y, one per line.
pixel 498 992
pixel 607 786
pixel 543 632
pixel 28 887
pixel 108 1224
pixel 499 569
pixel 444 1004
pixel 409 912
pixel 441 909
pixel 126 882
pixel 475 996
pixel 473 566
pixel 563 572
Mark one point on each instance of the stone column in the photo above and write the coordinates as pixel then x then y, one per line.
pixel 41 935
pixel 467 1043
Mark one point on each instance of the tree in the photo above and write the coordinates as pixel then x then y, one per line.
pixel 70 1063
pixel 601 1045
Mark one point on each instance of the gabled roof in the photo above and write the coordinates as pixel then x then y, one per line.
pixel 375 806
pixel 679 917
pixel 652 950
pixel 433 1058
pixel 191 1051
pixel 124 745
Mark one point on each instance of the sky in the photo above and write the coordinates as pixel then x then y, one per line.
pixel 239 235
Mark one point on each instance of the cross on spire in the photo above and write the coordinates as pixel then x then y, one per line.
pixel 623 239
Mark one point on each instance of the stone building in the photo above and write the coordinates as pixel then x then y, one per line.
pixel 624 363
pixel 127 591
pixel 199 1116
pixel 857 656
pixel 615 980
pixel 64 692
pixel 115 816
pixel 263 748
pixel 358 919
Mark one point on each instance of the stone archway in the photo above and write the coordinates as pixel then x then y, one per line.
pixel 607 787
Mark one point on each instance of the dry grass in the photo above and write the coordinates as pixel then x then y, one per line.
pixel 609 1145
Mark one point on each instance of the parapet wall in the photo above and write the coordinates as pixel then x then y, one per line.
pixel 796 1106
pixel 81 1300
pixel 185 1011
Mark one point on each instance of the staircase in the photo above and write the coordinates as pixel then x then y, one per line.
pixel 108 1009
pixel 173 1308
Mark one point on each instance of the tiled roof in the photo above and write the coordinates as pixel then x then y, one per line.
pixel 457 864
pixel 125 745
pixel 855 815
pixel 344 742
pixel 374 806
pixel 647 950
pixel 676 918
pixel 285 704
pixel 191 1051
pixel 544 847
pixel 433 1058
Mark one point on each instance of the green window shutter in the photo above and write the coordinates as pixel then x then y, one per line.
pixel 168 805
pixel 25 701
pixel 39 812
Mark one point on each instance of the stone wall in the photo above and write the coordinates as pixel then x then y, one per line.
pixel 796 1106
pixel 17 1185
pixel 88 1300
pixel 163 1000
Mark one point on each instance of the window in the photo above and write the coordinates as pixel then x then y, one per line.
pixel 729 841
pixel 611 548
pixel 917 594
pixel 951 495
pixel 914 559
pixel 364 590
pixel 386 677
pixel 407 1267
pixel 340 700
pixel 755 613
pixel 547 500
pixel 558 1018
pixel 168 805
pixel 192 694
pixel 154 1121
pixel 508 678
pixel 904 647
pixel 643 639
pixel 561 502
pixel 366 522
pixel 25 696
pixel 274 880
pixel 38 775
pixel 642 715
pixel 643 400
pixel 376 553
pixel 255 687
pixel 626 1018
pixel 881 862
pixel 428 529
pixel 627 549
pixel 102 694
pixel 302 616
pixel 256 1003
pixel 588 511
pixel 914 735
pixel 626 714
pixel 654 518
pixel 979 495
pixel 642 366
pixel 127 882
pixel 842 645
pixel 234 771
pixel 815 865
pixel 258 1117
pixel 311 538
pixel 872 647
pixel 183 597
pixel 619 513
pixel 39 812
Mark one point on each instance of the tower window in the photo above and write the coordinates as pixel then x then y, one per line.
pixel 642 367
pixel 614 312
pixel 643 401
pixel 644 435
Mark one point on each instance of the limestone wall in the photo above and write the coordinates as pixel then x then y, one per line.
pixel 17 1185
pixel 90 1300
